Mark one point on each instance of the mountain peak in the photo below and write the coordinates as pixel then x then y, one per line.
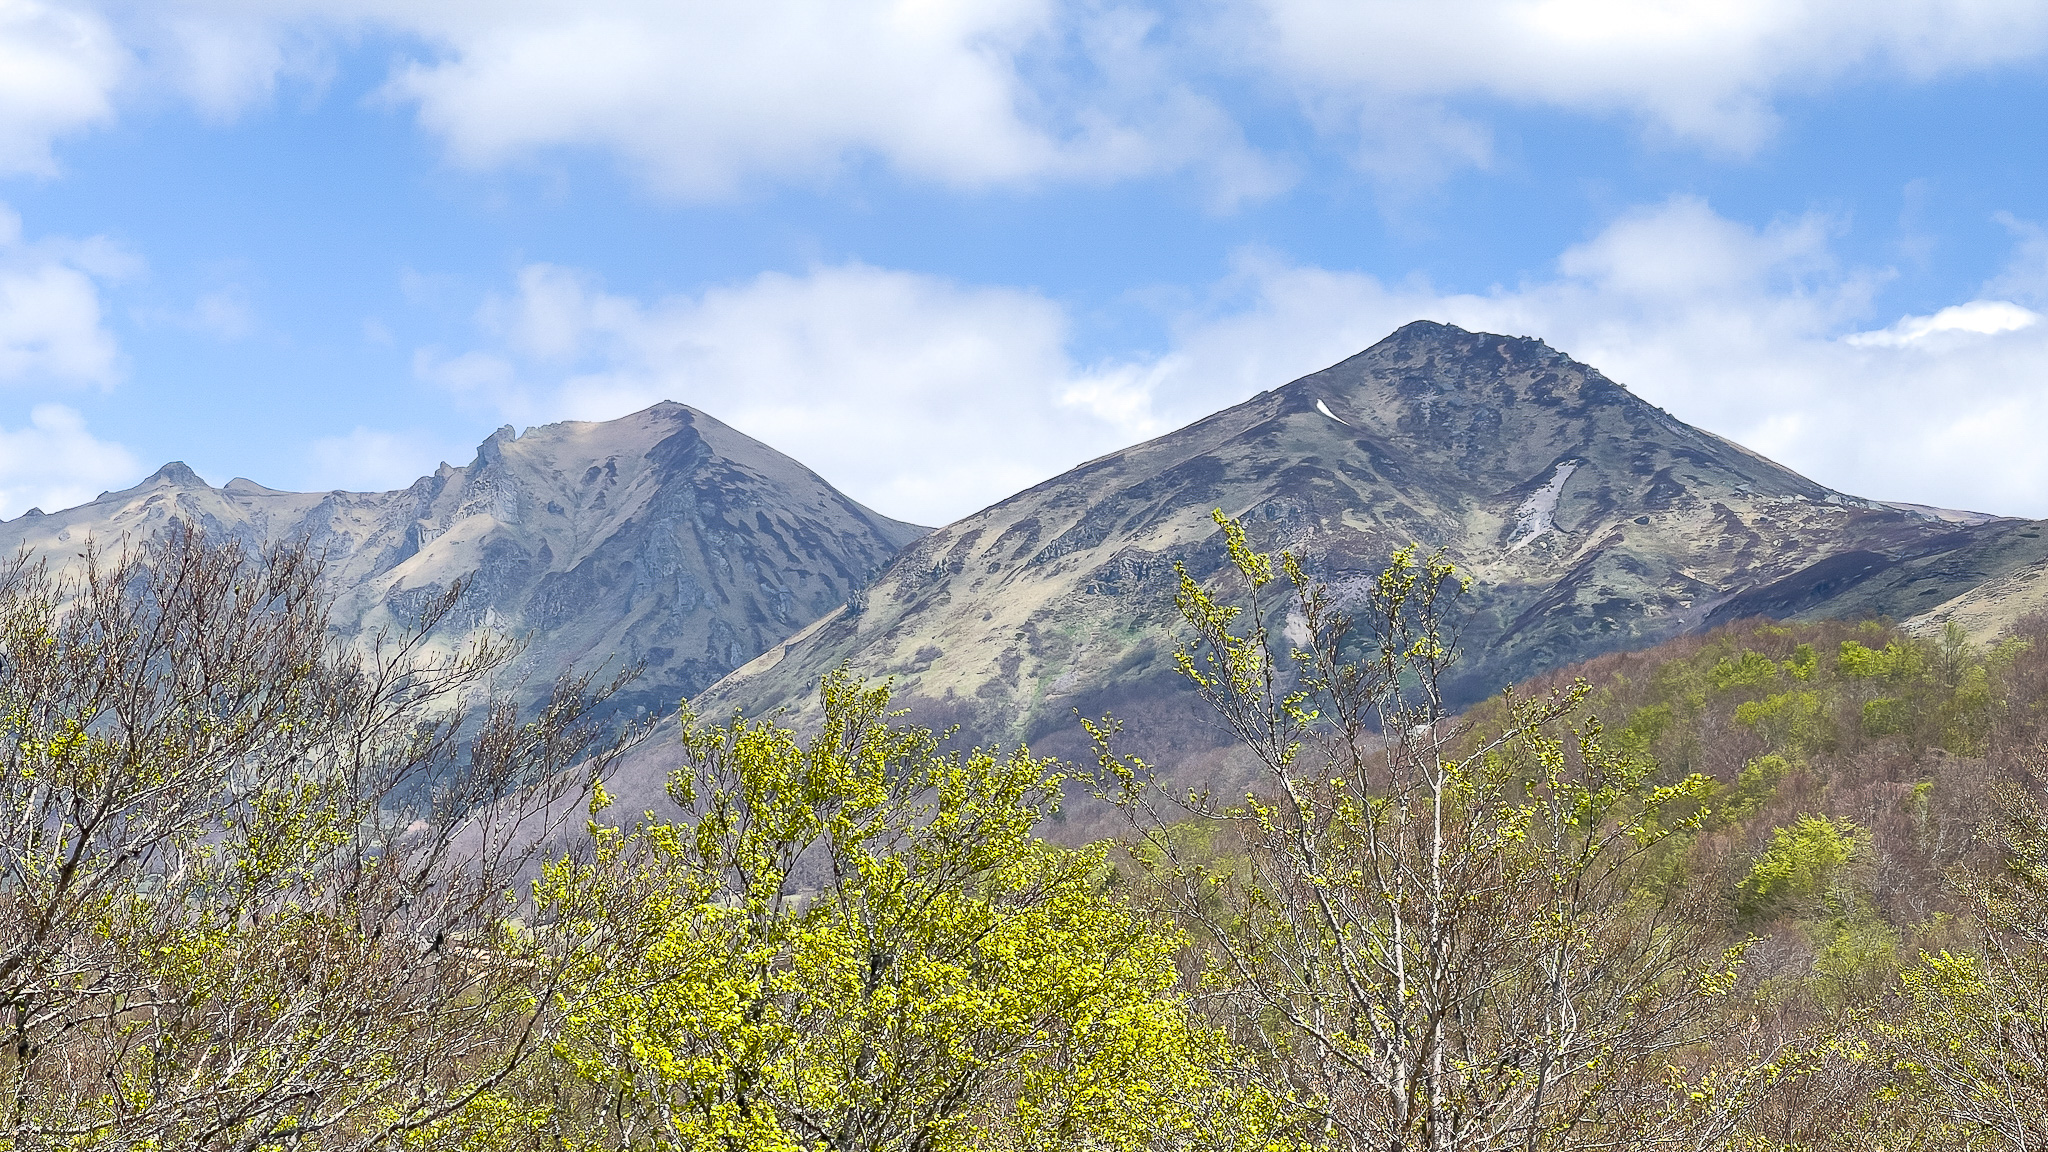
pixel 1450 335
pixel 660 539
pixel 1426 359
pixel 1427 330
pixel 1591 519
pixel 177 475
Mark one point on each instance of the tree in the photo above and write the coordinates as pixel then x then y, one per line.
pixel 252 877
pixel 1965 1039
pixel 1433 935
pixel 857 942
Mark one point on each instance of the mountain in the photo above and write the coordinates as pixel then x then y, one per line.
pixel 1591 521
pixel 663 537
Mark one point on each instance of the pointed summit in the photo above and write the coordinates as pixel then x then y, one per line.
pixel 174 474
pixel 662 538
pixel 1590 519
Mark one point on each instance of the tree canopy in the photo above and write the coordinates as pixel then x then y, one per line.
pixel 1771 887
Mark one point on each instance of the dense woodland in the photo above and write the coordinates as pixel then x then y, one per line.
pixel 1771 887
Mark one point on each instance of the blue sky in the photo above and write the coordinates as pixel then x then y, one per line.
pixel 940 251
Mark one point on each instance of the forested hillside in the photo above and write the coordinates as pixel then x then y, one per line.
pixel 1875 831
pixel 1769 887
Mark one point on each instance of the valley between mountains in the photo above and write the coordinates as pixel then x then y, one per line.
pixel 1589 520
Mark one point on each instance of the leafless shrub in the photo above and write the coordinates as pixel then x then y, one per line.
pixel 254 879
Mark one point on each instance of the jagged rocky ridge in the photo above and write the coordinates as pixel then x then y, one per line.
pixel 664 537
pixel 1591 520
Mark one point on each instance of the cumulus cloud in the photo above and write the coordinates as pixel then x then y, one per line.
pixel 59 67
pixel 919 396
pixel 51 325
pixel 699 95
pixel 54 462
pixel 1704 73
pixel 708 98
pixel 927 398
pixel 704 99
pixel 1752 333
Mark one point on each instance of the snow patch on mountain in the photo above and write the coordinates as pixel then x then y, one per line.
pixel 1537 514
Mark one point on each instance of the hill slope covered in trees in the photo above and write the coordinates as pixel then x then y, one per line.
pixel 1769 887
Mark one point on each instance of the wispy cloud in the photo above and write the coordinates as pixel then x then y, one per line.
pixel 1977 318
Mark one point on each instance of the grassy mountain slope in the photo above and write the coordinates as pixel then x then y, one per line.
pixel 1591 521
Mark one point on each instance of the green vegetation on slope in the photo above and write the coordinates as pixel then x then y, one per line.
pixel 1767 888
pixel 1875 830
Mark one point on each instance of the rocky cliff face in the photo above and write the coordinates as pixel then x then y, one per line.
pixel 1591 520
pixel 664 537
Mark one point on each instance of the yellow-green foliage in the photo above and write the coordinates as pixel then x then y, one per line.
pixel 1754 785
pixel 1797 720
pixel 1895 661
pixel 1750 670
pixel 1800 861
pixel 1803 664
pixel 1856 956
pixel 1886 716
pixel 1645 727
pixel 859 942
pixel 1963 1050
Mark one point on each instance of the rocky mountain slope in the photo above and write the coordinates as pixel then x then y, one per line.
pixel 1591 520
pixel 663 537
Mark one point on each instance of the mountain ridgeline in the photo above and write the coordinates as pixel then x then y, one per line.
pixel 1590 520
pixel 664 538
pixel 1786 889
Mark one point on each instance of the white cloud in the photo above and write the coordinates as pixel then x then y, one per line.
pixel 705 98
pixel 59 67
pixel 1978 318
pixel 50 317
pixel 1747 332
pixel 927 398
pixel 370 460
pixel 919 396
pixel 54 462
pixel 1708 73
pixel 701 95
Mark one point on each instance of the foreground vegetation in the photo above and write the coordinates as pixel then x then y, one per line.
pixel 1767 888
